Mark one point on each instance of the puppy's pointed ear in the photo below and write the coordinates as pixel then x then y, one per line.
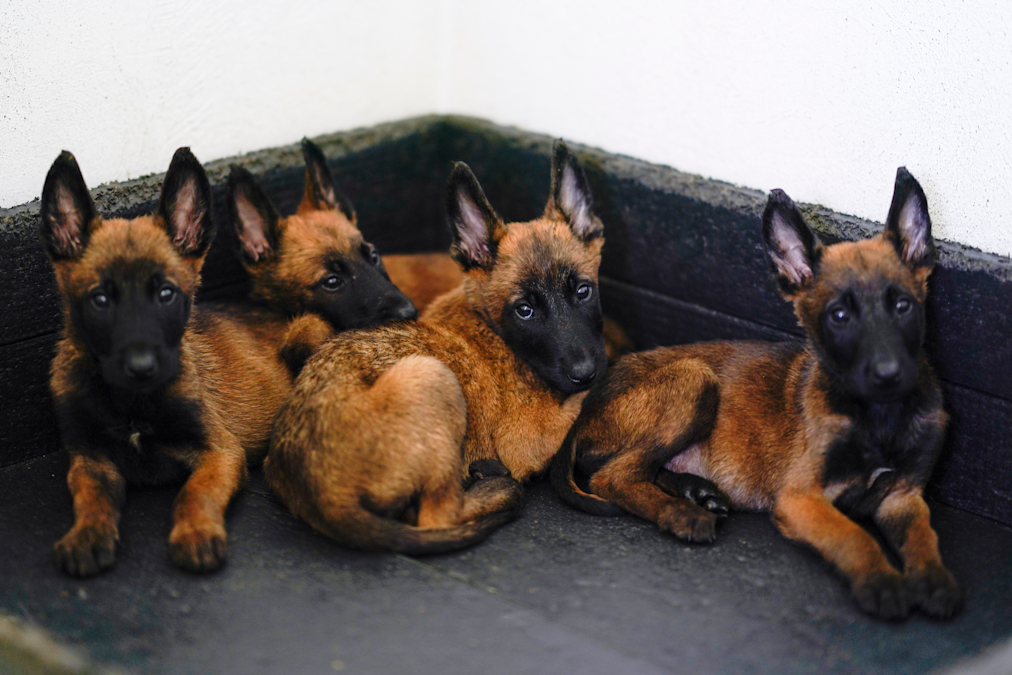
pixel 185 205
pixel 792 247
pixel 908 224
pixel 570 194
pixel 475 226
pixel 253 216
pixel 321 190
pixel 67 210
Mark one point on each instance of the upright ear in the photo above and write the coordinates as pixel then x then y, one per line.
pixel 321 191
pixel 570 194
pixel 253 215
pixel 185 205
pixel 475 227
pixel 792 247
pixel 67 210
pixel 908 225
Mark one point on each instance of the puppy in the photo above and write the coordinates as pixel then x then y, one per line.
pixel 148 388
pixel 314 262
pixel 385 425
pixel 425 276
pixel 847 425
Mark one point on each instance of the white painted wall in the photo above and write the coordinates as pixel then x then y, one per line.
pixel 824 100
pixel 123 83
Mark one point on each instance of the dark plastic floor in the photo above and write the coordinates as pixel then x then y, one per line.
pixel 556 591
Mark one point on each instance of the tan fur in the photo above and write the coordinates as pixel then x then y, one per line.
pixel 423 276
pixel 382 417
pixel 765 447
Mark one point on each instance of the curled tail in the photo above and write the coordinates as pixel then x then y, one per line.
pixel 565 485
pixel 373 532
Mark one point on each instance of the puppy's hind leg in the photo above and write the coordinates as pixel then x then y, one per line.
pixel 422 417
pixel 432 422
pixel 695 489
pixel 623 483
pixel 386 475
pixel 653 422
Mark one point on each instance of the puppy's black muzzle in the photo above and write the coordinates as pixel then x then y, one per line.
pixel 140 362
pixel 889 372
pixel 582 373
pixel 140 367
pixel 396 307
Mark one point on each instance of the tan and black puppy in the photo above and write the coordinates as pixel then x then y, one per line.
pixel 847 425
pixel 425 276
pixel 384 426
pixel 148 388
pixel 315 261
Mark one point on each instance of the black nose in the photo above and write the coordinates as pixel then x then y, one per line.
pixel 140 362
pixel 406 311
pixel 398 306
pixel 886 372
pixel 582 372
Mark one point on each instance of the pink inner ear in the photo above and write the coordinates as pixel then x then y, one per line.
pixel 789 253
pixel 68 231
pixel 574 203
pixel 912 230
pixel 326 195
pixel 187 218
pixel 253 239
pixel 473 234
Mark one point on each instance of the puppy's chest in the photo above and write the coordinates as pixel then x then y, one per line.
pixel 864 464
pixel 149 442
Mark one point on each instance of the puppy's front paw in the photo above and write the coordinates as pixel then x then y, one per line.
pixel 883 594
pixel 689 522
pixel 935 592
pixel 197 547
pixel 86 551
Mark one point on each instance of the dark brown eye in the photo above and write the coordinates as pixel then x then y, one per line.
pixel 584 291
pixel 903 306
pixel 332 283
pixel 100 300
pixel 524 311
pixel 840 315
pixel 166 295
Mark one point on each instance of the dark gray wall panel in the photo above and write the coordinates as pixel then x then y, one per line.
pixel 27 424
pixel 683 262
